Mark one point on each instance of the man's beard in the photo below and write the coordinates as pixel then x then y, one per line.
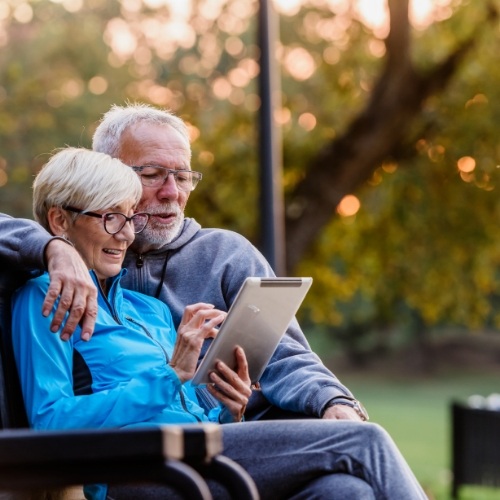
pixel 156 234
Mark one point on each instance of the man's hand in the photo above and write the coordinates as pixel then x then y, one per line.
pixel 70 280
pixel 232 388
pixel 341 412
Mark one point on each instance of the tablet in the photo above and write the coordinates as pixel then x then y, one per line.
pixel 256 321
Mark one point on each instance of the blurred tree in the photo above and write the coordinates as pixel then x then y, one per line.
pixel 377 133
pixel 49 93
pixel 423 249
pixel 405 118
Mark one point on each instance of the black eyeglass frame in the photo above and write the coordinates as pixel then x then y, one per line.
pixel 175 172
pixel 69 208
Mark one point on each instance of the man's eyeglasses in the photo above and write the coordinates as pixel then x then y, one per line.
pixel 114 222
pixel 155 176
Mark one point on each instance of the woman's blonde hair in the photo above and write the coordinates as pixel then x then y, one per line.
pixel 84 179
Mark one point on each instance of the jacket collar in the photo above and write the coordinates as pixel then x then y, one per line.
pixel 111 283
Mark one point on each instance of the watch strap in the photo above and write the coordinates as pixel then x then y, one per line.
pixel 351 402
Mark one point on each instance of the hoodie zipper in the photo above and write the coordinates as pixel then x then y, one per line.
pixel 139 262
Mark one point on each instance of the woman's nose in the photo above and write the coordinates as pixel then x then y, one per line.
pixel 126 233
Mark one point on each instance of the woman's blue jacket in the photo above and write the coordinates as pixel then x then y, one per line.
pixel 120 378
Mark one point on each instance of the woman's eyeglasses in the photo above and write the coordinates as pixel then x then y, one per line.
pixel 114 222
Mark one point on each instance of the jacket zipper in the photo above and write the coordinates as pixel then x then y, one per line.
pixel 108 303
pixel 146 331
pixel 181 394
pixel 117 319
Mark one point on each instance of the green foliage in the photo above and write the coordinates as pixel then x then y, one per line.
pixel 423 251
pixel 45 102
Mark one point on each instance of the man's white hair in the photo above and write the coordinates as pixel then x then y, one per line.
pixel 107 136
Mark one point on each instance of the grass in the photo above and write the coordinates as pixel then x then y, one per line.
pixel 416 412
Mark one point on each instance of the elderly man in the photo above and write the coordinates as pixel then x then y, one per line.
pixel 181 263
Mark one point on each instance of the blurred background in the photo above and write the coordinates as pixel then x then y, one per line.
pixel 388 113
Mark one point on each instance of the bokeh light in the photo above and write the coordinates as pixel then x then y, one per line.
pixel 299 63
pixel 307 121
pixel 348 206
pixel 466 164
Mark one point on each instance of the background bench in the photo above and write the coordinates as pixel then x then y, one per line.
pixel 475 447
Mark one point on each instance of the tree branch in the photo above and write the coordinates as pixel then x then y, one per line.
pixel 347 162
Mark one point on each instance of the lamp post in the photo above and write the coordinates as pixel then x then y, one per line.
pixel 270 147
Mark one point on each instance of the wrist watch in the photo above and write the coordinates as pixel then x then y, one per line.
pixel 353 403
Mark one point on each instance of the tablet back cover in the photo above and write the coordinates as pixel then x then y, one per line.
pixel 258 318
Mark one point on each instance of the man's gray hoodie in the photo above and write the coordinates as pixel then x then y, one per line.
pixel 206 265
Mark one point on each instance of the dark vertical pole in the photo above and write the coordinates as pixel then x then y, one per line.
pixel 271 183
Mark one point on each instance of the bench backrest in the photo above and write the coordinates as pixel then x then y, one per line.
pixel 12 412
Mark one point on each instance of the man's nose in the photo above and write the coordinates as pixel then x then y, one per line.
pixel 168 190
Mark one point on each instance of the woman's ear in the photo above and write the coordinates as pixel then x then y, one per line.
pixel 58 221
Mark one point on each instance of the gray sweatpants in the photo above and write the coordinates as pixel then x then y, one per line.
pixel 313 459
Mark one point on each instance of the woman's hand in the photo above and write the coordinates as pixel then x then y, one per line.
pixel 198 323
pixel 232 388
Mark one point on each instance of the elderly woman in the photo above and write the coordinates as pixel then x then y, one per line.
pixel 136 369
pixel 88 199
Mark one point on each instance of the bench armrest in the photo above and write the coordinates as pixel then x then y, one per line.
pixel 176 455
